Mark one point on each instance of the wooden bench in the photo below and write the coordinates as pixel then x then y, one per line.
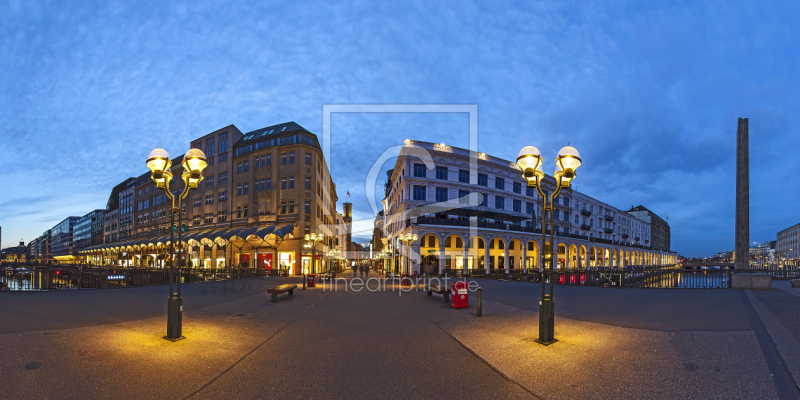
pixel 281 289
pixel 438 290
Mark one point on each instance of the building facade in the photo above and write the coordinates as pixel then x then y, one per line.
pixel 88 231
pixel 261 193
pixel 659 228
pixel 61 247
pixel 786 246
pixel 471 210
pixel 279 176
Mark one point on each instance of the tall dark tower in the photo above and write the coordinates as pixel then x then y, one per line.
pixel 347 216
pixel 742 248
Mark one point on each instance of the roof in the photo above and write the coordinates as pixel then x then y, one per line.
pixel 645 209
pixel 260 134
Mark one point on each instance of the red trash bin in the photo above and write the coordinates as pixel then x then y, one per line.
pixel 404 281
pixel 459 295
pixel 311 280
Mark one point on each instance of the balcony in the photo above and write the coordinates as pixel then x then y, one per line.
pixel 624 235
pixel 608 230
pixel 608 217
pixel 585 227
pixel 636 238
pixel 586 212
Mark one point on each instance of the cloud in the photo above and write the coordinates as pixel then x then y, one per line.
pixel 649 94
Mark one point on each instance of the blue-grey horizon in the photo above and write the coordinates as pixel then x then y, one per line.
pixel 649 93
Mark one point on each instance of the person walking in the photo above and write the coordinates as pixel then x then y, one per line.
pixel 355 270
pixel 366 270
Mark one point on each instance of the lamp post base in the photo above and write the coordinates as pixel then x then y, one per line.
pixel 174 318
pixel 546 321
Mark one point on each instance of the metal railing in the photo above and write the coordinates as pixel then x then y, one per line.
pixel 101 278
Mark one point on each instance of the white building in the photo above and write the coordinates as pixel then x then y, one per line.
pixel 472 208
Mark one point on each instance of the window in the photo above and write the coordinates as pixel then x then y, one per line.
pixel 484 199
pixel 223 196
pixel 517 206
pixel 283 207
pixel 246 166
pixel 283 158
pixel 291 157
pixel 499 183
pixel 210 181
pixel 223 176
pixel 463 176
pixel 499 202
pixel 263 186
pixel 269 183
pixel 441 173
pixel 210 147
pixel 269 159
pixel 196 220
pixel 209 218
pixel 555 214
pixel 139 194
pixel 239 168
pixel 283 183
pixel 463 197
pixel 517 187
pixel 222 216
pixel 210 199
pixel 291 182
pixel 239 189
pixel 419 170
pixel 291 206
pixel 197 202
pixel 419 192
pixel 256 186
pixel 566 216
pixel 244 188
pixel 441 194
pixel 483 180
pixel 307 207
pixel 529 208
pixel 223 157
pixel 308 158
pixel 308 183
pixel 566 201
pixel 529 191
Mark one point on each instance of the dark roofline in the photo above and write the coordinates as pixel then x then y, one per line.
pixel 643 208
pixel 279 131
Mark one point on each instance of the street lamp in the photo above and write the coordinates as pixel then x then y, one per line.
pixel 313 239
pixel 160 165
pixel 530 162
pixel 408 239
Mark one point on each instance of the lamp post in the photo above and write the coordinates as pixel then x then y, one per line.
pixel 312 239
pixel 530 162
pixel 407 239
pixel 160 165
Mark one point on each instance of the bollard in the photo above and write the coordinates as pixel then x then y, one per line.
pixel 479 307
pixel 304 281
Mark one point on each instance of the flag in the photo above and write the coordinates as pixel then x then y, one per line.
pixel 348 193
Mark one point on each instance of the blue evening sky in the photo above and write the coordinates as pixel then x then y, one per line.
pixel 648 92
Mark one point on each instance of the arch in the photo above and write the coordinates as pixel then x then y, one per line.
pixel 582 257
pixel 454 251
pixel 515 251
pixel 592 257
pixel 561 256
pixel 476 252
pixel 533 254
pixel 574 258
pixel 497 249
pixel 429 249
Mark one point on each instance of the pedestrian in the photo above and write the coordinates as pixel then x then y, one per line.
pixel 355 270
pixel 366 270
